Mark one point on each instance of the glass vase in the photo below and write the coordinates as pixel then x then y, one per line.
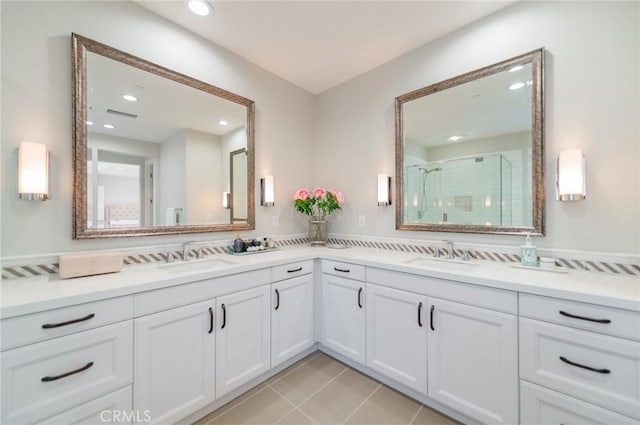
pixel 318 230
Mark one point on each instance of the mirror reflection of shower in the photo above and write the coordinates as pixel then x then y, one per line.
pixel 423 189
pixel 463 190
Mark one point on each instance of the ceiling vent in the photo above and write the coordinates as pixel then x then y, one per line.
pixel 121 114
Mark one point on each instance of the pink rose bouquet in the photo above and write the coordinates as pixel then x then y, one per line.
pixel 319 202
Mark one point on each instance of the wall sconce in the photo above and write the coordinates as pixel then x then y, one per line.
pixel 267 195
pixel 571 176
pixel 33 171
pixel 384 190
pixel 226 200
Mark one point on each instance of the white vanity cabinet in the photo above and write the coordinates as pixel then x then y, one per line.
pixel 586 353
pixel 72 372
pixel 454 342
pixel 343 310
pixel 174 361
pixel 243 338
pixel 473 360
pixel 396 335
pixel 292 311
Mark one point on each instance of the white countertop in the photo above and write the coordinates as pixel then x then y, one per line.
pixel 30 295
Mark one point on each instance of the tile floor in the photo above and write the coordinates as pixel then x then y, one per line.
pixel 321 390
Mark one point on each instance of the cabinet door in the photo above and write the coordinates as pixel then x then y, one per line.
pixel 473 361
pixel 343 316
pixel 242 338
pixel 174 362
pixel 291 318
pixel 397 335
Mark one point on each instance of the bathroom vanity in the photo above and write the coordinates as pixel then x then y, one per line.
pixel 480 341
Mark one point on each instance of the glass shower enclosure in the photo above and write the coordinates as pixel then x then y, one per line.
pixel 473 190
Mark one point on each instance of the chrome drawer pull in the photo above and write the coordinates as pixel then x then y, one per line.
pixel 64 375
pixel 70 322
pixel 299 269
pixel 592 369
pixel 564 313
pixel 341 270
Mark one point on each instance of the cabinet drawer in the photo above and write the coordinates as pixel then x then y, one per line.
pixel 45 379
pixel 540 405
pixel 348 270
pixel 113 408
pixel 597 368
pixel 607 320
pixel 287 271
pixel 23 330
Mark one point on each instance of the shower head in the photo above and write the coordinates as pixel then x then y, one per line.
pixel 433 170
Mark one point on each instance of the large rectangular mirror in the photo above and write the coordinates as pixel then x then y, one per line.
pixel 469 151
pixel 152 149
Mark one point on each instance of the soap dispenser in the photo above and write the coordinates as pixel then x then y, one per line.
pixel 529 255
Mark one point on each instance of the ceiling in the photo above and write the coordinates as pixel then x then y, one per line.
pixel 318 45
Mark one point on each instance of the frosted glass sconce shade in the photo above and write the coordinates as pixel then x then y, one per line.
pixel 33 171
pixel 571 176
pixel 226 200
pixel 384 190
pixel 267 194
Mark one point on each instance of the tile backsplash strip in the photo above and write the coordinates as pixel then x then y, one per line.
pixel 486 253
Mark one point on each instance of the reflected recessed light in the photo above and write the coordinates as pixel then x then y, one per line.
pixel 109 126
pixel 199 7
pixel 223 122
pixel 455 138
pixel 89 122
pixel 516 68
pixel 516 86
pixel 129 98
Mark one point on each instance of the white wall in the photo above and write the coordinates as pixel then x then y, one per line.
pixel 36 105
pixel 203 178
pixel 592 102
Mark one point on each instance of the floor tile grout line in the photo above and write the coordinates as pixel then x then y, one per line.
pixel 307 416
pixel 313 393
pixel 417 413
pixel 362 403
pixel 266 385
pixel 238 404
pixel 298 366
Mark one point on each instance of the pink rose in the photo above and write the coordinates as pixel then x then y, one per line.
pixel 301 194
pixel 319 192
pixel 340 197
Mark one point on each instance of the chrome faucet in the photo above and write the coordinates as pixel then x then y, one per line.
pixel 451 255
pixel 185 250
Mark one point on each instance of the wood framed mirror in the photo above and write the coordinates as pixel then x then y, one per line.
pixel 470 151
pixel 151 148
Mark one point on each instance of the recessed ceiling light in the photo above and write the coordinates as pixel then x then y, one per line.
pixel 199 7
pixel 454 138
pixel 89 122
pixel 516 86
pixel 129 98
pixel 516 68
pixel 109 126
pixel 223 122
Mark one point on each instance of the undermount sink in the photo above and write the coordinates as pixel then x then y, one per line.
pixel 442 264
pixel 197 265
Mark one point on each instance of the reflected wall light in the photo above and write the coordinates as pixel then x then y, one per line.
pixel 226 200
pixel 571 177
pixel 33 171
pixel 267 194
pixel 384 190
